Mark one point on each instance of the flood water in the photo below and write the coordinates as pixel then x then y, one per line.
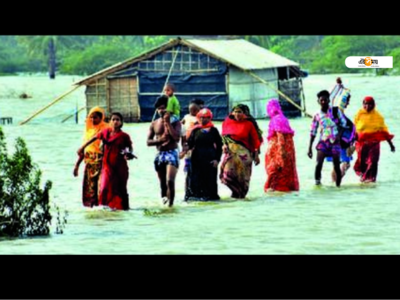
pixel 354 219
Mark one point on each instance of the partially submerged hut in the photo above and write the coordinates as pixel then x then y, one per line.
pixel 220 72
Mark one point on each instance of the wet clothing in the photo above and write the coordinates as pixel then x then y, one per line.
pixel 92 157
pixel 115 172
pixel 207 147
pixel 348 137
pixel 280 158
pixel 329 129
pixel 328 148
pixel 371 130
pixel 91 178
pixel 366 165
pixel 243 141
pixel 170 157
pixel 280 164
pixel 236 168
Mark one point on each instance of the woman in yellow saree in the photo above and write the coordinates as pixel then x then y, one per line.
pixel 370 131
pixel 92 157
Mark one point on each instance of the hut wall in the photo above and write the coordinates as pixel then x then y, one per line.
pixel 244 89
pixel 96 95
pixel 293 89
pixel 123 98
pixel 134 89
pixel 194 74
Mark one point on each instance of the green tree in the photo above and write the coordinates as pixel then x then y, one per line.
pixel 260 40
pixel 46 46
pixel 107 51
pixel 24 205
pixel 95 58
pixel 335 49
pixel 302 49
pixel 13 57
pixel 151 41
pixel 396 60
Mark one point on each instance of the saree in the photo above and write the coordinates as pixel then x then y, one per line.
pixel 371 130
pixel 92 158
pixel 235 170
pixel 115 172
pixel 280 158
pixel 366 165
pixel 242 140
pixel 280 164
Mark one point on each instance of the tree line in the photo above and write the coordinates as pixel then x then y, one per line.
pixel 84 55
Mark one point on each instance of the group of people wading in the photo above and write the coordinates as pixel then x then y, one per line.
pixel 107 148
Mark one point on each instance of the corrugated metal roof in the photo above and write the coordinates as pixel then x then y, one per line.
pixel 243 54
pixel 118 66
pixel 238 52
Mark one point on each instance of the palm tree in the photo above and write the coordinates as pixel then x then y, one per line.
pixel 46 45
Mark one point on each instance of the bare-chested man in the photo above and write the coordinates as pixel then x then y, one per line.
pixel 164 133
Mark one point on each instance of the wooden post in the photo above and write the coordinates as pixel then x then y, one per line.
pixel 278 91
pixel 50 104
pixel 302 94
pixel 76 112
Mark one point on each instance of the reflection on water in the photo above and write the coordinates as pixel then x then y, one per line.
pixel 357 218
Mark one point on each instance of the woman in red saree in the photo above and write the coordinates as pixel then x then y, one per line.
pixel 280 158
pixel 370 131
pixel 92 157
pixel 241 147
pixel 114 174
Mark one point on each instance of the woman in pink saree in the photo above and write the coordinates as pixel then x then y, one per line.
pixel 280 158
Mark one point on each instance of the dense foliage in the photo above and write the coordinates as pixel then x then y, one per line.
pixel 83 55
pixel 24 205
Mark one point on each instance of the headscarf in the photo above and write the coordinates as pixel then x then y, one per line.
pixel 91 130
pixel 205 113
pixel 368 99
pixel 248 116
pixel 371 125
pixel 278 122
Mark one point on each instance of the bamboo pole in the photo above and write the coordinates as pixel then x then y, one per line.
pixel 279 92
pixel 48 105
pixel 169 74
pixel 302 94
pixel 77 112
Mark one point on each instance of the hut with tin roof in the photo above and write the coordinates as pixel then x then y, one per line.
pixel 222 72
